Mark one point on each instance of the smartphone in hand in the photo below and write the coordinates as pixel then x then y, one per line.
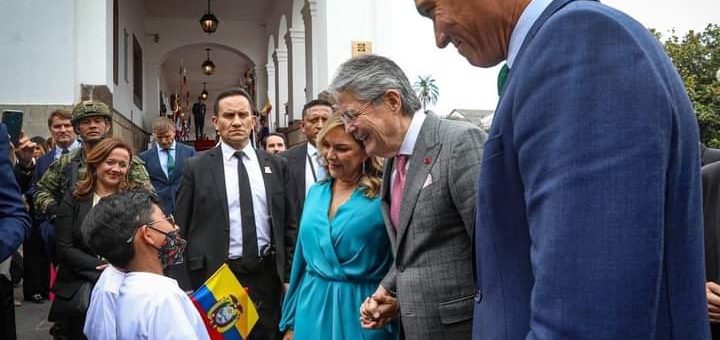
pixel 13 120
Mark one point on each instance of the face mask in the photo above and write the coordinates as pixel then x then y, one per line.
pixel 171 252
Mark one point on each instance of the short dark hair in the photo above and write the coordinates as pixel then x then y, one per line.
pixel 278 134
pixel 315 102
pixel 234 91
pixel 62 114
pixel 113 221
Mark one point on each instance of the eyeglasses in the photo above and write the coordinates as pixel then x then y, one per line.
pixel 350 116
pixel 168 218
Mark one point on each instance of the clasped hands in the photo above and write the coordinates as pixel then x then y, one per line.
pixel 378 309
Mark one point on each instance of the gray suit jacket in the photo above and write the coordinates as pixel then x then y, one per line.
pixel 432 272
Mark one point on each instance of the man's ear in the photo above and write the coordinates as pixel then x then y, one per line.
pixel 392 98
pixel 144 235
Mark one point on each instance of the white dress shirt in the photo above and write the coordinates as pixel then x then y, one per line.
pixel 411 136
pixel 162 156
pixel 152 306
pixel 259 198
pixel 314 172
pixel 100 319
pixel 58 150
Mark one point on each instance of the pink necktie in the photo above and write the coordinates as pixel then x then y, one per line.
pixel 397 190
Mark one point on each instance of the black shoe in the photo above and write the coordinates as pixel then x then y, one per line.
pixel 36 298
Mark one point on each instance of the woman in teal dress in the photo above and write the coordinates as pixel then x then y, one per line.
pixel 342 250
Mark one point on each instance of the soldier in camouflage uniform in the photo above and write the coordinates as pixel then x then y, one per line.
pixel 92 121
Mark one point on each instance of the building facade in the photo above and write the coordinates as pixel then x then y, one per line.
pixel 144 58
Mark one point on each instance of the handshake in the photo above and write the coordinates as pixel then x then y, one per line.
pixel 378 309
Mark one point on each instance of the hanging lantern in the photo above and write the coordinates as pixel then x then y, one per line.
pixel 209 22
pixel 208 66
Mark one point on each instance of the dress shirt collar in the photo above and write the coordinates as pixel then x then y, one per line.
pixel 228 152
pixel 411 136
pixel 75 145
pixel 171 148
pixel 527 19
pixel 311 149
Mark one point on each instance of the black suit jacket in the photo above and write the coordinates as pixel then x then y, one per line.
pixel 201 212
pixel 77 262
pixel 297 159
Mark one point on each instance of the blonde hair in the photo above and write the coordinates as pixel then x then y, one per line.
pixel 371 177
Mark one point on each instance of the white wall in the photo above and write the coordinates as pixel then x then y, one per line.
pixel 131 16
pixel 359 21
pixel 37 52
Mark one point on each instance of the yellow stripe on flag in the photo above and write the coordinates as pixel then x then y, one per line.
pixel 225 287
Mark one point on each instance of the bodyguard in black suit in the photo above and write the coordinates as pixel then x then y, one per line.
pixel 236 206
pixel 303 158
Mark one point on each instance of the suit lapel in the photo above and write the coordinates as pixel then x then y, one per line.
pixel 180 156
pixel 154 162
pixel 422 160
pixel 385 201
pixel 216 168
pixel 267 177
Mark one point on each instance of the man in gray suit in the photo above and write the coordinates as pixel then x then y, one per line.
pixel 427 199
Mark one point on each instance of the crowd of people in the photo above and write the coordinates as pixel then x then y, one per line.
pixel 389 222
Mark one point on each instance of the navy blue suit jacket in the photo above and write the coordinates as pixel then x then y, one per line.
pixel 589 219
pixel 167 188
pixel 14 219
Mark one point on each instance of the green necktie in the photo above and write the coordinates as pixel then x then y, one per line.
pixel 170 163
pixel 502 78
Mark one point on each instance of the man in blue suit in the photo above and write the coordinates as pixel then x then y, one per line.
pixel 164 162
pixel 588 220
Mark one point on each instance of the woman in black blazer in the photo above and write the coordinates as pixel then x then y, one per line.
pixel 106 174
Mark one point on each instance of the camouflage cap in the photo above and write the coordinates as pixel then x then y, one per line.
pixel 89 108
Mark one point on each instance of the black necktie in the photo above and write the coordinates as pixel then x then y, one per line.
pixel 64 151
pixel 249 234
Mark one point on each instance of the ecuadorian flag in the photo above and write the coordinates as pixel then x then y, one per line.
pixel 225 306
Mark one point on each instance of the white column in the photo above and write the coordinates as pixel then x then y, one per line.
pixel 260 84
pixel 280 57
pixel 309 12
pixel 295 39
pixel 270 71
pixel 151 96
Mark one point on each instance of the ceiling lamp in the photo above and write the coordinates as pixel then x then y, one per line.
pixel 204 93
pixel 209 22
pixel 208 66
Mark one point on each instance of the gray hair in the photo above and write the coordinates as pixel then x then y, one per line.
pixel 368 76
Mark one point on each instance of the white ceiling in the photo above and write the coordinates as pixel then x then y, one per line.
pixel 242 10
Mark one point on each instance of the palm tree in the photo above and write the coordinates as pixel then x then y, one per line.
pixel 427 90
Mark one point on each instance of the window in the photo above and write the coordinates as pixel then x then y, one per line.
pixel 116 52
pixel 137 73
pixel 125 55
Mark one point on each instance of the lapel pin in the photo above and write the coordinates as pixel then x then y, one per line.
pixel 267 170
pixel 427 160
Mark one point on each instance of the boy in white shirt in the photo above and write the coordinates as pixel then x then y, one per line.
pixel 134 234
